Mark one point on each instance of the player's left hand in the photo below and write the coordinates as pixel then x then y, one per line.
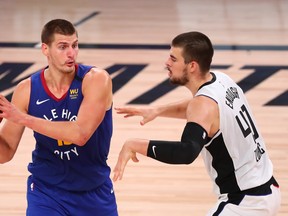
pixel 124 156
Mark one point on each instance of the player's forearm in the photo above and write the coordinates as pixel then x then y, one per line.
pixel 139 146
pixel 68 131
pixel 173 110
pixel 7 152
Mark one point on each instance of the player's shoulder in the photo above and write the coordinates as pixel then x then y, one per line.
pixel 96 70
pixel 202 102
pixel 97 74
pixel 24 84
pixel 21 94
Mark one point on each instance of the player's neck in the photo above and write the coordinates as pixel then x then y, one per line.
pixel 198 81
pixel 58 82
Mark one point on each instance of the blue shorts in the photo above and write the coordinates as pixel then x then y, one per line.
pixel 52 201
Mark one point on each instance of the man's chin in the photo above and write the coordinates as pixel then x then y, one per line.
pixel 173 82
pixel 69 68
pixel 177 82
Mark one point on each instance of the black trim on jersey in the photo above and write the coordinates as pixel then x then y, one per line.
pixel 263 189
pixel 223 164
pixel 236 198
pixel 232 198
pixel 209 82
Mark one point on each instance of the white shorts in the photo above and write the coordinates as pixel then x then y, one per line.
pixel 248 205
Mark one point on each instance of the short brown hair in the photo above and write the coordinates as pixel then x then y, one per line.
pixel 196 47
pixel 56 26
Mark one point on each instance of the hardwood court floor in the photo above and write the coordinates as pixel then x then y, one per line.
pixel 251 39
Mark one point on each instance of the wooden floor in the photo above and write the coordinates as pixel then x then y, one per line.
pixel 251 45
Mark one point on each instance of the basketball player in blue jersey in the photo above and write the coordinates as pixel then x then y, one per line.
pixel 69 108
pixel 220 126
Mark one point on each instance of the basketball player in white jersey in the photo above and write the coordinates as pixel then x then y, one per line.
pixel 220 125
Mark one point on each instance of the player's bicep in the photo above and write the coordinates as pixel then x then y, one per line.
pixel 97 98
pixel 203 111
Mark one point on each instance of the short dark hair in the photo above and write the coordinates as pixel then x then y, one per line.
pixel 56 26
pixel 196 47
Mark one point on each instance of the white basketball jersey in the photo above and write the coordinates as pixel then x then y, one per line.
pixel 236 157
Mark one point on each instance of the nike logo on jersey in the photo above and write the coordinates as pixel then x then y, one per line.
pixel 38 102
pixel 153 149
pixel 204 135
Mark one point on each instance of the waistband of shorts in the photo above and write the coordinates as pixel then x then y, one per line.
pixel 262 189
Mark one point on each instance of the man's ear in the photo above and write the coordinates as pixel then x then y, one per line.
pixel 193 65
pixel 44 48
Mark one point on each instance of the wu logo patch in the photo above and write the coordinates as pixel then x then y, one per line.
pixel 74 93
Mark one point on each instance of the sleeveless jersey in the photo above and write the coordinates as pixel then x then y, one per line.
pixel 236 157
pixel 57 162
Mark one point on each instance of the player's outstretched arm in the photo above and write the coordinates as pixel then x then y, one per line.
pixel 149 113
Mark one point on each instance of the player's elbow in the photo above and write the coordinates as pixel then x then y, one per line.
pixel 6 157
pixel 188 158
pixel 81 138
pixel 3 161
pixel 81 141
pixel 190 152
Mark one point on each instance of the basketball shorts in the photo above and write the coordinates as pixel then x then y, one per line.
pixel 52 201
pixel 264 202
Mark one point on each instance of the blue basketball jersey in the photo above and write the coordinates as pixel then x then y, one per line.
pixel 57 162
